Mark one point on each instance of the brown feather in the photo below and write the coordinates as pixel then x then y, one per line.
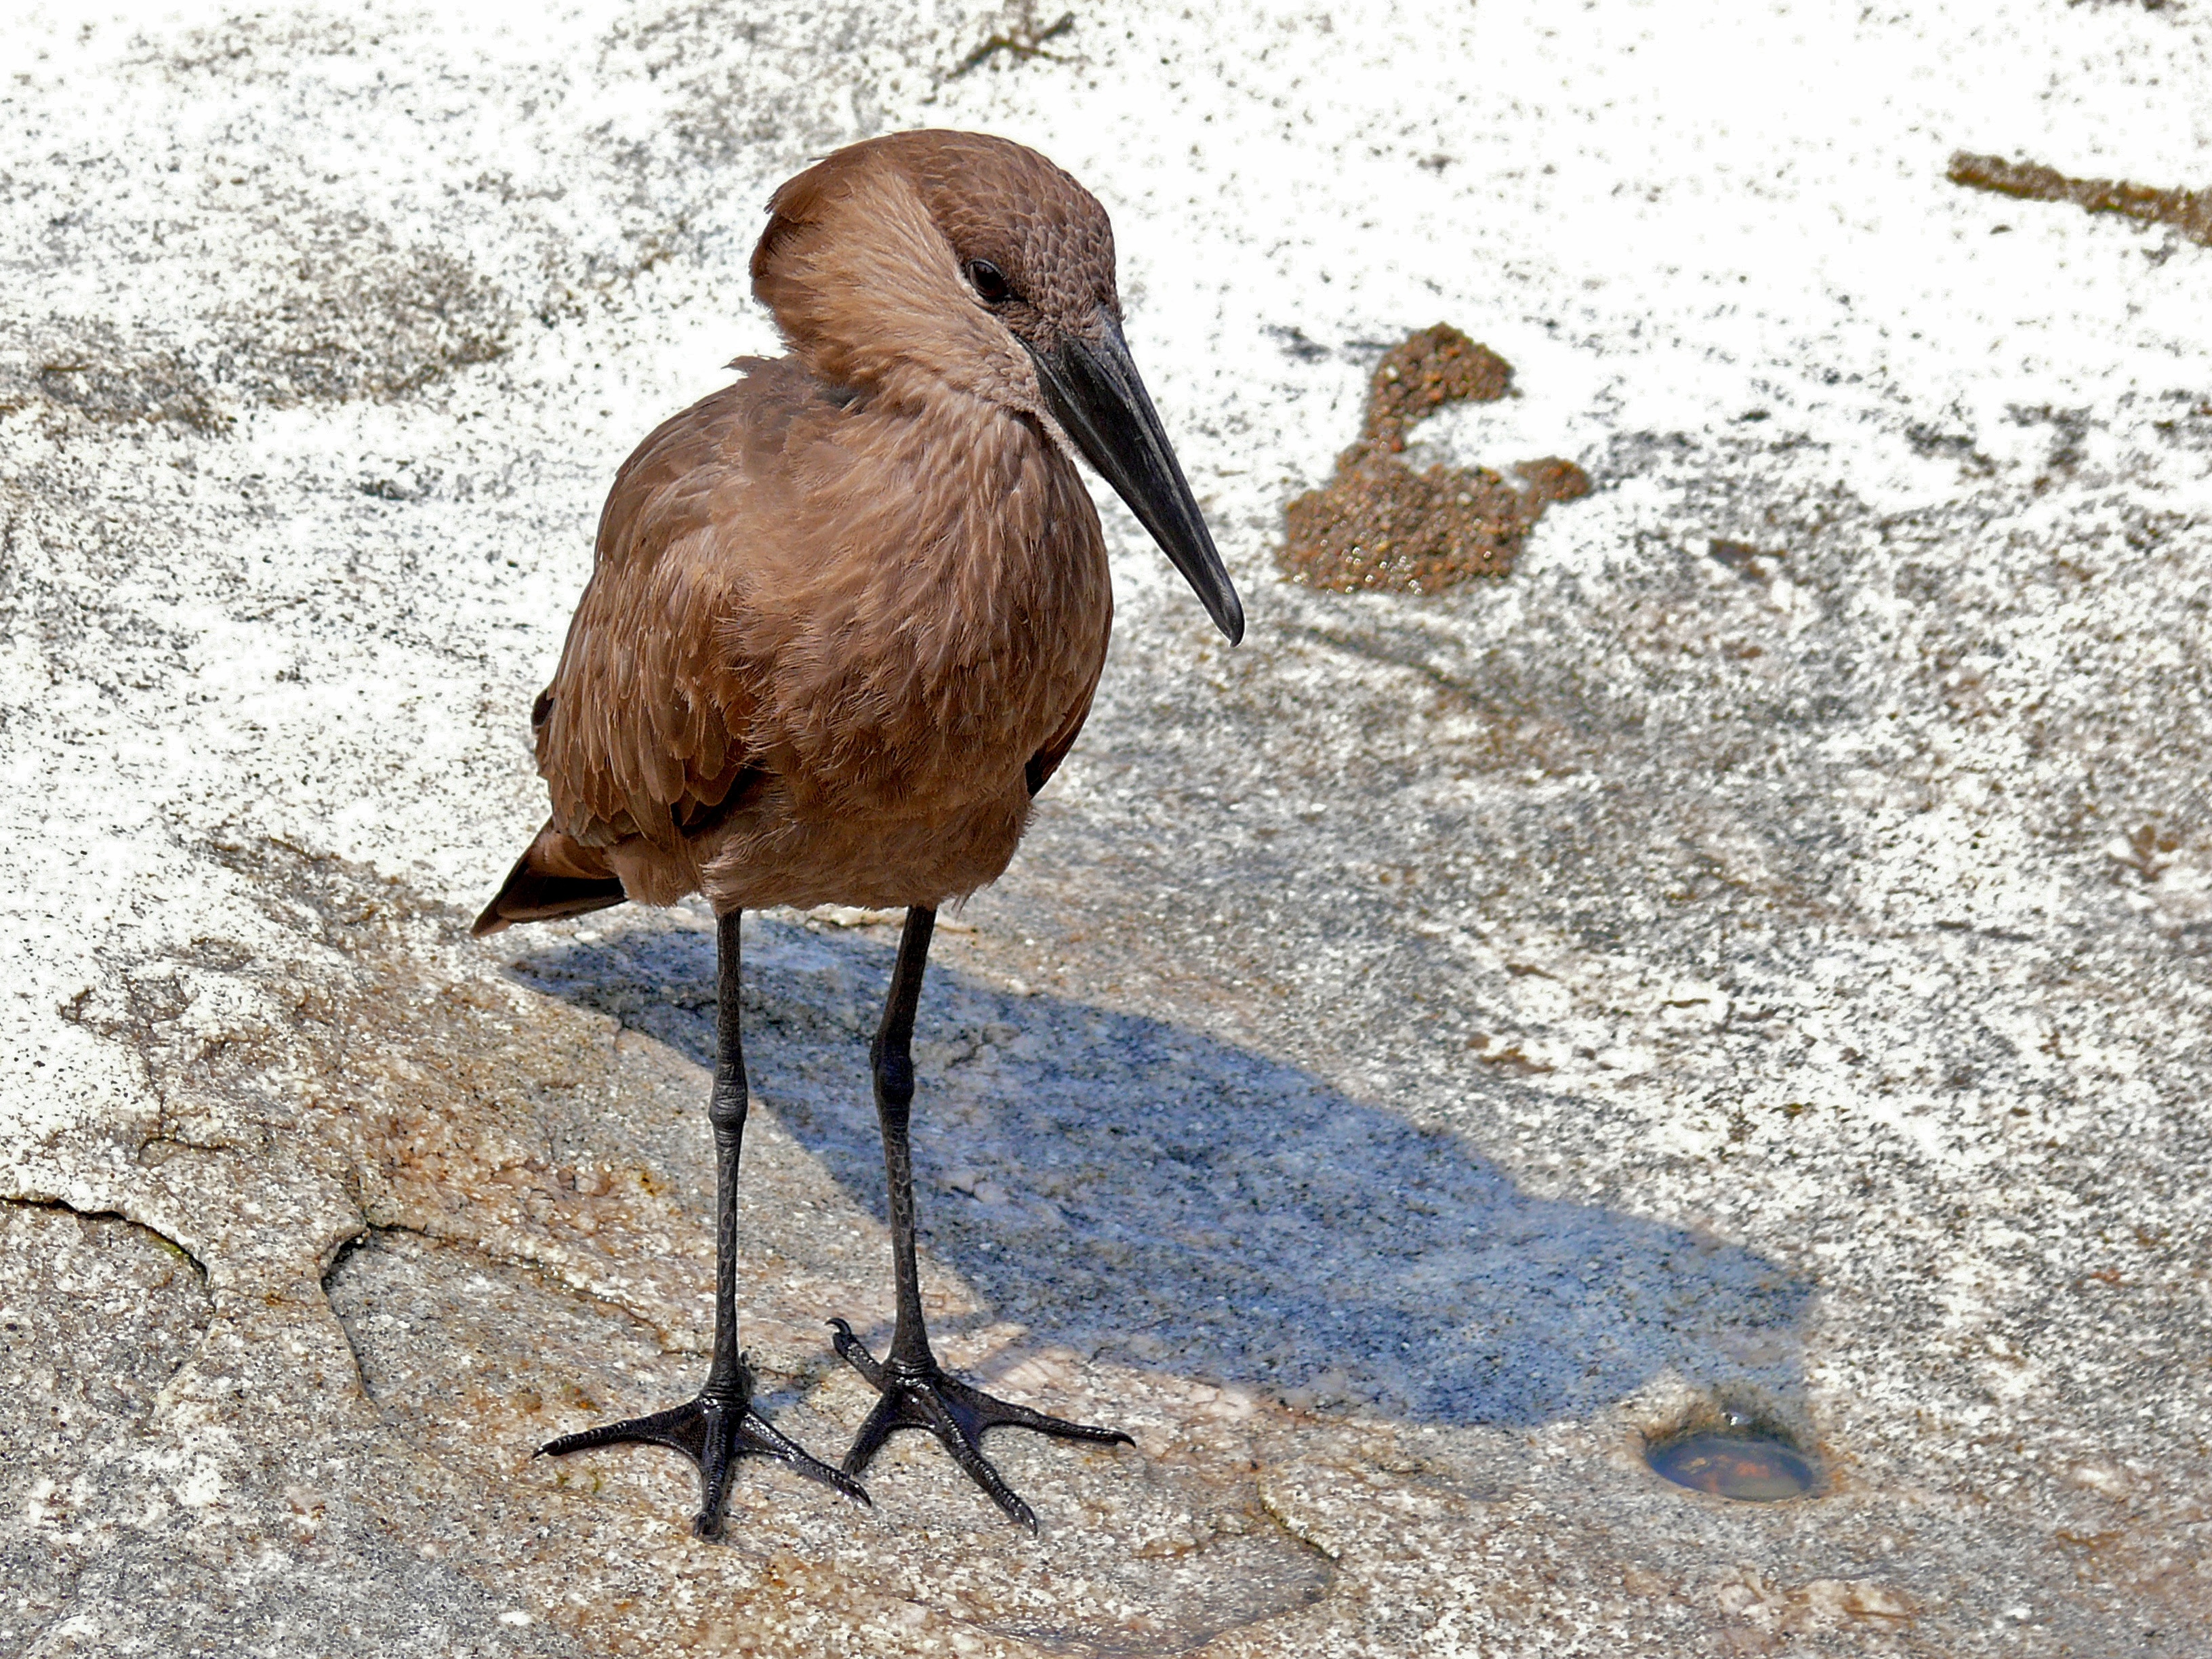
pixel 847 615
pixel 554 876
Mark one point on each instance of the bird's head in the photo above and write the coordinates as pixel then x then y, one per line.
pixel 923 261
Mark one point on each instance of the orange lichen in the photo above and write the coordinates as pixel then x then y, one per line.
pixel 2188 211
pixel 1380 525
pixel 1423 372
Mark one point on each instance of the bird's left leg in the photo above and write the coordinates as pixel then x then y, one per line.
pixel 720 1427
pixel 916 1392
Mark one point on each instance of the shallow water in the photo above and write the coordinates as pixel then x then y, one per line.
pixel 1751 1468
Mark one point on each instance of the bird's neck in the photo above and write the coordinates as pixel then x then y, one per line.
pixel 992 497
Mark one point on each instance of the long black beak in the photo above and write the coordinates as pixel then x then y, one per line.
pixel 1099 401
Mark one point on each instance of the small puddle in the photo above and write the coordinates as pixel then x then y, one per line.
pixel 1749 1467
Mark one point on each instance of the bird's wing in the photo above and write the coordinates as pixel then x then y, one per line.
pixel 1047 760
pixel 641 733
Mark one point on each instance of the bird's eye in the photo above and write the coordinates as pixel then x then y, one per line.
pixel 989 281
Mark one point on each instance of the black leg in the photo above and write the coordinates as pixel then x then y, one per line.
pixel 916 1394
pixel 720 1426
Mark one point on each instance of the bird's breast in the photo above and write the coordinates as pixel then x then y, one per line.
pixel 963 615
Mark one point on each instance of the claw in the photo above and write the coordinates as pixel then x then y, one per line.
pixel 714 1433
pixel 957 1413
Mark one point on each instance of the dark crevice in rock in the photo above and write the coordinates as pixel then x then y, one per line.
pixel 338 1260
pixel 62 1206
pixel 107 1352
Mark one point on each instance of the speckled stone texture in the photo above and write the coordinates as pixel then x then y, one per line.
pixel 1752 959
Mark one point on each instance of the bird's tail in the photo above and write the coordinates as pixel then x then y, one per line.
pixel 555 876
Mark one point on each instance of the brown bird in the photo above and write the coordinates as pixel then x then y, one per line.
pixel 845 619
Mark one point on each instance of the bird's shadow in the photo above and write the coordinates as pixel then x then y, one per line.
pixel 1150 1193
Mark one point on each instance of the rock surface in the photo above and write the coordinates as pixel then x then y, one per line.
pixel 1751 960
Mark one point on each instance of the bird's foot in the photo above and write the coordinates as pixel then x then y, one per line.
pixel 924 1397
pixel 714 1430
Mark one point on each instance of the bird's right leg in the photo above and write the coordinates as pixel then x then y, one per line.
pixel 915 1392
pixel 720 1426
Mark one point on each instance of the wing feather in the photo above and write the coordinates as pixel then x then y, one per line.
pixel 1047 760
pixel 643 727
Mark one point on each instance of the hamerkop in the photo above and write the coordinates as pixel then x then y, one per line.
pixel 845 619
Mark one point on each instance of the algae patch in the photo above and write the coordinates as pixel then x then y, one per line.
pixel 2188 211
pixel 1021 40
pixel 1378 523
pixel 351 314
